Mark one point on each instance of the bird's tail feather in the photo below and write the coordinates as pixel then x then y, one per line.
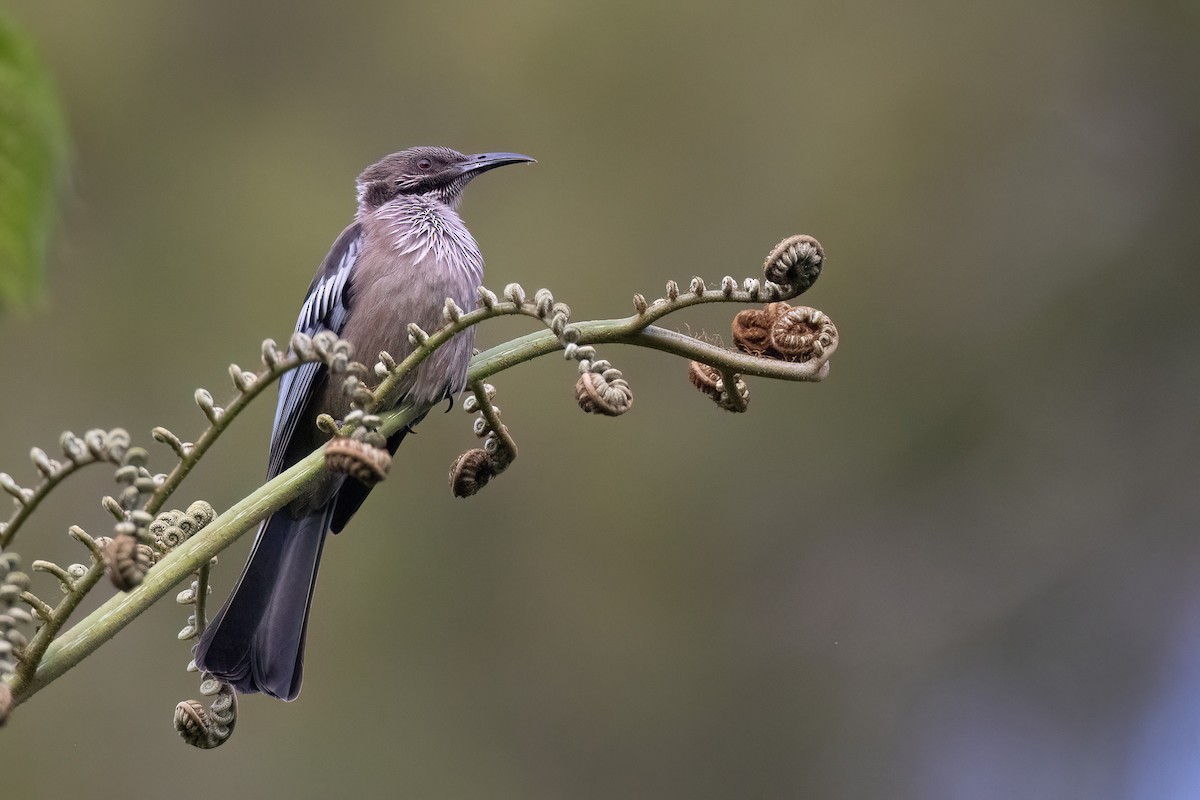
pixel 256 641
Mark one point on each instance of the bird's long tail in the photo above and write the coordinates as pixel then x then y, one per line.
pixel 256 640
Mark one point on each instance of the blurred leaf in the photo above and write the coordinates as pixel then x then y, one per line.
pixel 32 157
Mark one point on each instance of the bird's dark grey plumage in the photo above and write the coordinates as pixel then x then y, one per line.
pixel 405 253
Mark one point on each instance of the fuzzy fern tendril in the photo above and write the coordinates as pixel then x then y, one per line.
pixel 151 552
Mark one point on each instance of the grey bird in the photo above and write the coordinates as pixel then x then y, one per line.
pixel 406 252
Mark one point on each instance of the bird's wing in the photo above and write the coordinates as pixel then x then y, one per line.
pixel 326 307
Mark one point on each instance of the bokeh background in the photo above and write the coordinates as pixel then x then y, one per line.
pixel 962 567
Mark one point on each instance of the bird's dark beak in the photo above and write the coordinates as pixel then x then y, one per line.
pixel 482 162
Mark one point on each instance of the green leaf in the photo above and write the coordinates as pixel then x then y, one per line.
pixel 33 148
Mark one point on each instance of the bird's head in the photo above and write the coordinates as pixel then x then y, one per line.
pixel 437 171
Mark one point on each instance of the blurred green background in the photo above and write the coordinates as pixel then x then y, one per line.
pixel 962 567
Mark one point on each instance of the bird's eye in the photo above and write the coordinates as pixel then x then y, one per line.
pixel 424 164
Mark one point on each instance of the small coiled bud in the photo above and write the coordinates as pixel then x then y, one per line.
pixel 603 393
pixel 211 727
pixel 470 472
pixel 112 506
pixel 242 380
pixel 97 442
pixel 194 726
pixel 136 456
pixel 751 330
pixel 543 299
pixel 558 325
pixel 709 381
pixel 362 461
pixel 795 262
pixel 382 370
pixel 182 449
pixel 270 353
pixel 515 293
pixel 43 463
pixel 803 333
pixel 340 362
pixel 487 298
pixel 201 513
pixel 583 352
pixel 205 400
pixel 325 345
pixel 172 528
pixel 18 492
pixel 639 304
pixel 127 474
pixel 127 561
pixel 302 346
pixel 74 448
pixel 416 336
